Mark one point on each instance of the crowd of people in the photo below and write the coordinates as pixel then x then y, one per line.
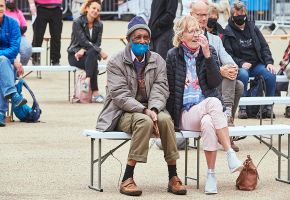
pixel 182 75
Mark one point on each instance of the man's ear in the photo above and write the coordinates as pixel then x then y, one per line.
pixel 128 39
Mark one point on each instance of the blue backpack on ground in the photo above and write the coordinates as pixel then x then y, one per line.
pixel 25 113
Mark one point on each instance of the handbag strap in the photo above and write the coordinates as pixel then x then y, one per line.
pixel 263 157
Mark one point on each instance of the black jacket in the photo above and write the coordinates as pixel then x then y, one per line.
pixel 163 13
pixel 218 30
pixel 80 36
pixel 208 73
pixel 232 45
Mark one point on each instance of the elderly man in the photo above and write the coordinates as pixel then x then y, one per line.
pixel 137 91
pixel 9 47
pixel 231 88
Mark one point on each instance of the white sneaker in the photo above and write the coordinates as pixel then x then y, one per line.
pixel 98 99
pixel 211 184
pixel 233 162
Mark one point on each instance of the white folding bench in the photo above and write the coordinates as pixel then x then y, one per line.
pixel 37 50
pixel 279 78
pixel 258 130
pixel 65 68
pixel 52 69
pixel 261 101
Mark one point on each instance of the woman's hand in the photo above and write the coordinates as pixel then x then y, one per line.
pixel 19 68
pixel 80 54
pixel 202 41
pixel 104 55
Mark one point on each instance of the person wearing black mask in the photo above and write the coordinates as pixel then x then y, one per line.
pixel 212 24
pixel 250 51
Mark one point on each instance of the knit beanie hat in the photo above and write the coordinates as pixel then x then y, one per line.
pixel 137 23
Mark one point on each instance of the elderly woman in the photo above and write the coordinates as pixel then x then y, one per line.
pixel 84 50
pixel 10 41
pixel 194 102
pixel 250 51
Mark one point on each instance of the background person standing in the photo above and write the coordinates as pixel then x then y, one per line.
pixel 47 12
pixel 163 13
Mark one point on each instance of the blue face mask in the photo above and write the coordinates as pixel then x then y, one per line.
pixel 139 49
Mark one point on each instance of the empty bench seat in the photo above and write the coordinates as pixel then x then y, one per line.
pixel 63 68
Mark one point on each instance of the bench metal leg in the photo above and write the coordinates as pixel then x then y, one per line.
pixel 186 157
pixel 91 186
pixel 279 161
pixel 74 79
pixel 99 166
pixel 38 74
pixel 271 137
pixel 261 120
pixel 272 121
pixel 100 161
pixel 68 85
pixel 279 153
pixel 197 163
pixel 9 113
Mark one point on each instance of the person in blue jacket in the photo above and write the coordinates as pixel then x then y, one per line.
pixel 9 48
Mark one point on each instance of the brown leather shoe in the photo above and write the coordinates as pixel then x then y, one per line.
pixel 175 186
pixel 234 146
pixel 129 187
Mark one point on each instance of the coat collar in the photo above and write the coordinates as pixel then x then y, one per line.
pixel 84 23
pixel 84 20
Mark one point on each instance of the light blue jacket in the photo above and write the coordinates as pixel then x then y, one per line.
pixel 223 56
pixel 10 37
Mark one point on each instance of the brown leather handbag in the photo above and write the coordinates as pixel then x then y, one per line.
pixel 248 177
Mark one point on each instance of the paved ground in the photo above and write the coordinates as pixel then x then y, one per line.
pixel 50 160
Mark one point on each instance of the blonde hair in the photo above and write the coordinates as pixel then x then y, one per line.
pixel 181 26
pixel 213 10
pixel 86 4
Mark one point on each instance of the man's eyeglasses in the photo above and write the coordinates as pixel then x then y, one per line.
pixel 200 15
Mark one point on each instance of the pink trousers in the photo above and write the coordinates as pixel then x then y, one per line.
pixel 207 117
